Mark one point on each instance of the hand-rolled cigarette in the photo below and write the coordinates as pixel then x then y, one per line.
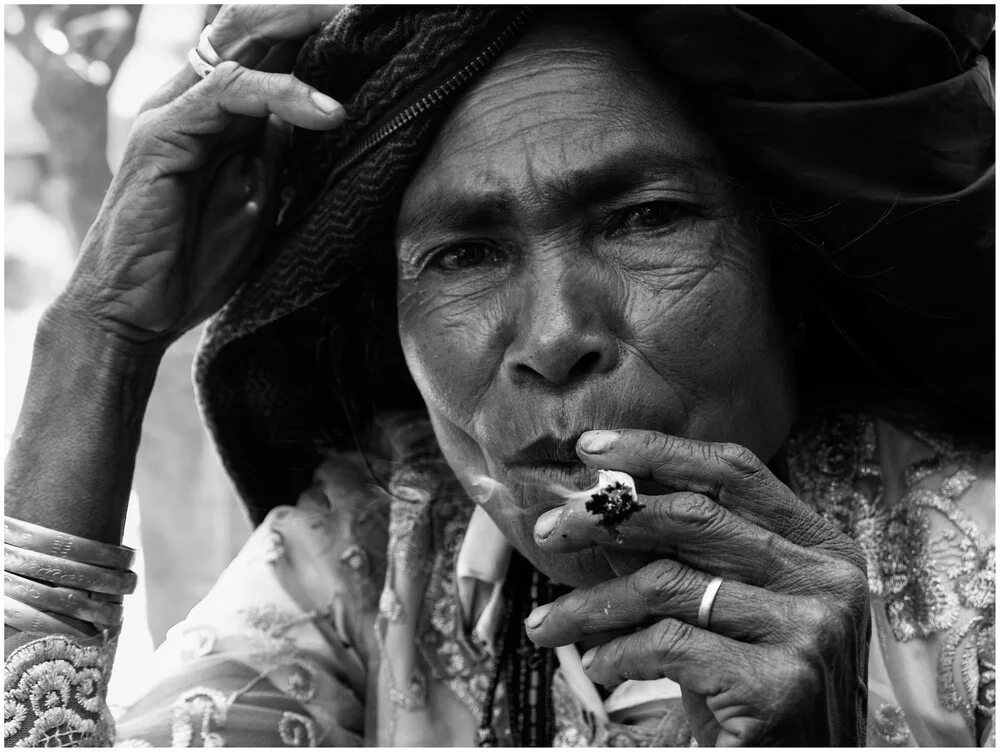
pixel 614 499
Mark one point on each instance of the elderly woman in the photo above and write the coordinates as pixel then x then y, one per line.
pixel 740 257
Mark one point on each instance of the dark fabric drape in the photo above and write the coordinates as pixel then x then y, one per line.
pixel 868 131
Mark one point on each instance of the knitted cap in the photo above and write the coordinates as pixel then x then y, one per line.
pixel 882 117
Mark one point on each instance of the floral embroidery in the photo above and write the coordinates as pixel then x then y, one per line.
pixel 302 681
pixel 888 727
pixel 54 690
pixel 203 708
pixel 462 665
pixel 297 730
pixel 927 576
pixel 390 606
pixel 356 560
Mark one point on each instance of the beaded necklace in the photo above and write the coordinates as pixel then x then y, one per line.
pixel 525 668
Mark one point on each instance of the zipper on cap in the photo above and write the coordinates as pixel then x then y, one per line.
pixel 440 92
pixel 434 97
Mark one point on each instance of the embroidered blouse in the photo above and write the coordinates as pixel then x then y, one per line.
pixel 366 616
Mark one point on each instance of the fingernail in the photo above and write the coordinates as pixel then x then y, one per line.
pixel 328 105
pixel 537 616
pixel 596 442
pixel 547 523
pixel 588 658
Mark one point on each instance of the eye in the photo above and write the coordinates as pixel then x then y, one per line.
pixel 652 216
pixel 465 256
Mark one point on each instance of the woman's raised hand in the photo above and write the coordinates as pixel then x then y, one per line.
pixel 784 657
pixel 183 219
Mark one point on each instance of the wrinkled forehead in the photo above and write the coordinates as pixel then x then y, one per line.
pixel 574 94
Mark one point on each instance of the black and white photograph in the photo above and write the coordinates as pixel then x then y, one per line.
pixel 499 375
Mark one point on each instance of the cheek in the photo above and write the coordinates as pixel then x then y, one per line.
pixel 719 344
pixel 450 346
pixel 695 328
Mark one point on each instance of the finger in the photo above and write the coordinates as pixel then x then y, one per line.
pixel 230 89
pixel 698 660
pixel 662 590
pixel 728 473
pixel 245 33
pixel 252 35
pixel 692 529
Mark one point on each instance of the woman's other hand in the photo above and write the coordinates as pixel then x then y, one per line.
pixel 784 658
pixel 183 219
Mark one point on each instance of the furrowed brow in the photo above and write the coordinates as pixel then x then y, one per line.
pixel 614 175
pixel 459 213
pixel 624 171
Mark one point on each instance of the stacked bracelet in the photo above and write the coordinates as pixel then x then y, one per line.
pixel 63 601
pixel 51 576
pixel 29 619
pixel 55 543
pixel 67 572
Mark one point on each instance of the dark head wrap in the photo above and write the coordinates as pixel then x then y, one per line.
pixel 869 130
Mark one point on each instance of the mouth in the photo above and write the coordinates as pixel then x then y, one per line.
pixel 560 477
pixel 548 450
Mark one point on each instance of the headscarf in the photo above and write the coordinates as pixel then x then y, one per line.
pixel 872 127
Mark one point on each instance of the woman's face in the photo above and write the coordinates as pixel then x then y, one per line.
pixel 571 257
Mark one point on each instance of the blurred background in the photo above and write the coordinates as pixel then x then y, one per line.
pixel 75 77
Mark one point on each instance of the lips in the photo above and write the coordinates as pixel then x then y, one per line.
pixel 553 462
pixel 547 450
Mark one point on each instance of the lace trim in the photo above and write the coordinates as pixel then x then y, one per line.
pixel 54 693
pixel 927 581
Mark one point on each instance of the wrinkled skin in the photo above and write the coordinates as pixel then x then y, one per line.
pixel 572 257
pixel 628 297
pixel 591 272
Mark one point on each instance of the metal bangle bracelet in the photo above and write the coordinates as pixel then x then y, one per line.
pixel 28 619
pixel 66 572
pixel 55 543
pixel 62 601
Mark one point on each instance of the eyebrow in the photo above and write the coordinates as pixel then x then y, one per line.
pixel 619 173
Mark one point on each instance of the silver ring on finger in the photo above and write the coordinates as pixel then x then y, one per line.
pixel 205 48
pixel 707 601
pixel 204 58
pixel 202 68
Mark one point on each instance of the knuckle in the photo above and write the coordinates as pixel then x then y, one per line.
pixel 659 581
pixel 652 443
pixel 228 76
pixel 828 629
pixel 275 87
pixel 144 126
pixel 693 509
pixel 667 638
pixel 738 459
pixel 850 580
pixel 240 22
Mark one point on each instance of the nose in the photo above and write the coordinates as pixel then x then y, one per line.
pixel 561 330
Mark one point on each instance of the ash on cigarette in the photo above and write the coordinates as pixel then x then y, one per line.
pixel 614 503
